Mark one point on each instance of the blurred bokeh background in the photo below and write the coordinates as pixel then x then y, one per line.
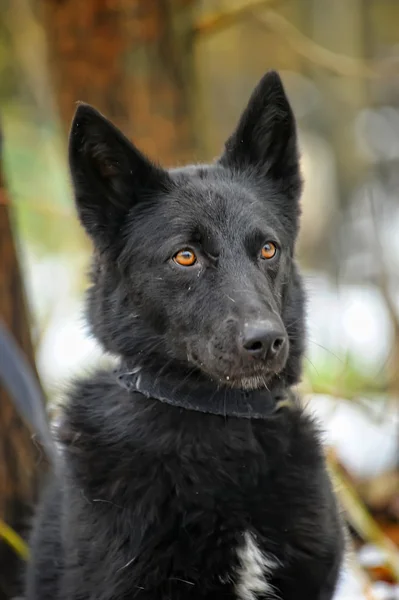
pixel 174 75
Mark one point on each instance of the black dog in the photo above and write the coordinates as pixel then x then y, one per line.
pixel 191 471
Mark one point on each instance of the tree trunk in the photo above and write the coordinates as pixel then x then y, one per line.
pixel 131 59
pixel 20 463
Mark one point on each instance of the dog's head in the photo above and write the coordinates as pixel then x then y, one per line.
pixel 196 265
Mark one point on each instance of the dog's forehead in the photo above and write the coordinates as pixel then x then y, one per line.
pixel 212 194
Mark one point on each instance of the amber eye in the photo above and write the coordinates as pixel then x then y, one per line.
pixel 185 258
pixel 268 251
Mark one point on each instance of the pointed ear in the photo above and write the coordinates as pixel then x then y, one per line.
pixel 109 175
pixel 265 138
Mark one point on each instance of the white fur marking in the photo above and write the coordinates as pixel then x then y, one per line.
pixel 254 570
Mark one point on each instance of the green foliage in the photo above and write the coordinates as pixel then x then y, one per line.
pixel 345 379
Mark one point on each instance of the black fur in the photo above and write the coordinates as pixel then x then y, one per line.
pixel 151 501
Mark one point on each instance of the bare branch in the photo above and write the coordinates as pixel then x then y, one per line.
pixel 384 288
pixel 340 64
pixel 223 20
pixel 360 518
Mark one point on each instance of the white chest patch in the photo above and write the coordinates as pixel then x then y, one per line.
pixel 255 571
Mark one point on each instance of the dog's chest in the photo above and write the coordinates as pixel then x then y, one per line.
pixel 255 570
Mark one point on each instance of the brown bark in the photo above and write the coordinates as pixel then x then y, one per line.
pixel 19 464
pixel 131 59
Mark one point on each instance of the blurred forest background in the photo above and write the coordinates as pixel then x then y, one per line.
pixel 174 75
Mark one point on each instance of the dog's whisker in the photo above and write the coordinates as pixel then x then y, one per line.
pixel 125 566
pixel 182 580
pixel 310 362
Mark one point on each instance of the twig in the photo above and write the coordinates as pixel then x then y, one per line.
pixel 364 580
pixel 222 20
pixel 340 64
pixel 360 518
pixel 361 575
pixel 14 540
pixel 383 281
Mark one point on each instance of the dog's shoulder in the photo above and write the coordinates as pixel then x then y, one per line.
pixel 93 405
pixel 98 421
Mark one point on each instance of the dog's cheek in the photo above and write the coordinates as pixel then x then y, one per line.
pixel 146 299
pixel 154 316
pixel 182 332
pixel 185 331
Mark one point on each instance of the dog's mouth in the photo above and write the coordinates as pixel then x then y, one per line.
pixel 254 380
pixel 256 377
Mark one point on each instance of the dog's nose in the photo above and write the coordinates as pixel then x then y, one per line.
pixel 263 339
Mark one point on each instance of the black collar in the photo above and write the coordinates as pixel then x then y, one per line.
pixel 196 392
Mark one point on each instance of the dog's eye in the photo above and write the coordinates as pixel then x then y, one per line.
pixel 268 251
pixel 185 258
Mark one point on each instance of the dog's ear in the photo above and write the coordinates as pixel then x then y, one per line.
pixel 265 138
pixel 109 175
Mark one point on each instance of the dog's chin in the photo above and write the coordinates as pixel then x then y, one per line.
pixel 244 380
pixel 248 382
pixel 246 377
pixel 254 382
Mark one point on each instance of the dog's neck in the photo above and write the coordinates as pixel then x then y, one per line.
pixel 194 391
